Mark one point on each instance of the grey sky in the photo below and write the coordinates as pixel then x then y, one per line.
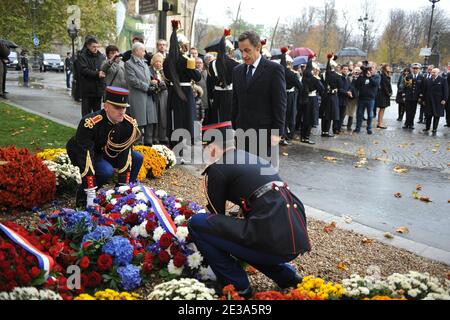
pixel 267 11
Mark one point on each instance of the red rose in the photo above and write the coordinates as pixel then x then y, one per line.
pixel 94 279
pixel 150 226
pixel 130 202
pixel 151 216
pixel 31 260
pixel 188 214
pixel 149 257
pixel 163 257
pixel 11 285
pixel 148 267
pixel 35 272
pixel 109 207
pixel 179 260
pixel 174 250
pixel 84 262
pixel 84 280
pixel 132 219
pixel 25 279
pixel 166 240
pixel 104 262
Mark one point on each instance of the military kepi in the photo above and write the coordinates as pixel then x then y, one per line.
pixel 117 96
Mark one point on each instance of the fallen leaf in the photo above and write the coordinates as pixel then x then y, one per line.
pixel 330 159
pixel 376 142
pixel 366 241
pixel 418 154
pixel 402 230
pixel 416 195
pixel 402 145
pixel 399 169
pixel 434 150
pixel 285 154
pixel 448 201
pixel 425 199
pixel 398 195
pixel 330 227
pixel 342 266
pixel 388 235
pixel 437 145
pixel 418 187
pixel 384 150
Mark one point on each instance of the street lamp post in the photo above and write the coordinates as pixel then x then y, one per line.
pixel 33 5
pixel 364 24
pixel 431 25
pixel 73 33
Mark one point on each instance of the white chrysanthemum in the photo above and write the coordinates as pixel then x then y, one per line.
pixel 109 193
pixel 172 269
pixel 123 189
pixel 141 196
pixel 126 208
pixel 143 230
pixel 135 232
pixel 177 205
pixel 194 260
pixel 113 201
pixel 182 233
pixel 413 293
pixel 157 233
pixel 161 193
pixel 179 220
pixel 140 207
pixel 207 274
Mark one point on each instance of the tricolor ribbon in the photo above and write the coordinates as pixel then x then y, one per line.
pixel 161 213
pixel 45 261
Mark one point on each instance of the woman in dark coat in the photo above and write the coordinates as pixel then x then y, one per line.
pixel 384 94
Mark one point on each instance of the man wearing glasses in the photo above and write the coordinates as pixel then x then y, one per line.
pixel 414 93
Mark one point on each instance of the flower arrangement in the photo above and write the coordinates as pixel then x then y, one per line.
pixel 29 293
pixel 68 176
pixel 318 288
pixel 168 154
pixel 50 154
pixel 109 294
pixel 182 289
pixel 121 244
pixel 25 181
pixel 154 164
pixel 412 286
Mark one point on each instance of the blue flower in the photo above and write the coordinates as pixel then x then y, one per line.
pixel 100 233
pixel 120 248
pixel 130 277
pixel 78 221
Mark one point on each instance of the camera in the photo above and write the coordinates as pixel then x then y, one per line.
pixel 366 67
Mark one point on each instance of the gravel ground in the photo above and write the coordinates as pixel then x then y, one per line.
pixel 334 256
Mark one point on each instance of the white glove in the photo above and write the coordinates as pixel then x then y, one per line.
pixel 91 195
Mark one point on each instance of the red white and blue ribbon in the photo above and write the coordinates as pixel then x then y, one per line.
pixel 161 213
pixel 45 261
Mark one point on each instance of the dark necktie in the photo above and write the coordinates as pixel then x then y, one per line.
pixel 249 73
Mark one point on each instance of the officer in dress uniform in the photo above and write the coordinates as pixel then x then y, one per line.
pixel 414 86
pixel 103 142
pixel 180 71
pixel 271 229
pixel 329 108
pixel 220 73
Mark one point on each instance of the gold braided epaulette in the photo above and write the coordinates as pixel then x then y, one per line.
pixel 91 122
pixel 131 120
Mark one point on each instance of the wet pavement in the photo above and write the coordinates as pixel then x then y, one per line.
pixel 340 188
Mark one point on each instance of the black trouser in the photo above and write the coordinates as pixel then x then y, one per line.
pixel 291 114
pixel 91 104
pixel 421 115
pixel 337 125
pixel 326 124
pixel 308 118
pixel 447 113
pixel 435 122
pixel 401 110
pixel 411 108
pixel 349 123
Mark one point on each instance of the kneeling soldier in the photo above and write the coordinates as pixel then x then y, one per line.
pixel 272 230
pixel 103 141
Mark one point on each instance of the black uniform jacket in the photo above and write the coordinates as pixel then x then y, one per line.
pixel 274 223
pixel 98 137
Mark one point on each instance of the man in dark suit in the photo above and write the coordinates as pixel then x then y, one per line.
pixel 259 97
pixel 436 95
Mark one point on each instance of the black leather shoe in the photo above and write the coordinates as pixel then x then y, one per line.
pixel 327 135
pixel 405 127
pixel 426 130
pixel 420 121
pixel 247 293
pixel 284 143
pixel 369 132
pixel 412 128
pixel 356 131
pixel 293 284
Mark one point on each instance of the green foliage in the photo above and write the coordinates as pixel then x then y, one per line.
pixel 50 21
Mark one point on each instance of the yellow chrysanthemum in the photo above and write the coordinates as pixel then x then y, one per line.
pixel 50 154
pixel 153 162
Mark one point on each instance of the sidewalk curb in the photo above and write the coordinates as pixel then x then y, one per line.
pixel 418 248
pixel 61 122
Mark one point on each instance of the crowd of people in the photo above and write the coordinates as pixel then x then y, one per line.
pixel 343 96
